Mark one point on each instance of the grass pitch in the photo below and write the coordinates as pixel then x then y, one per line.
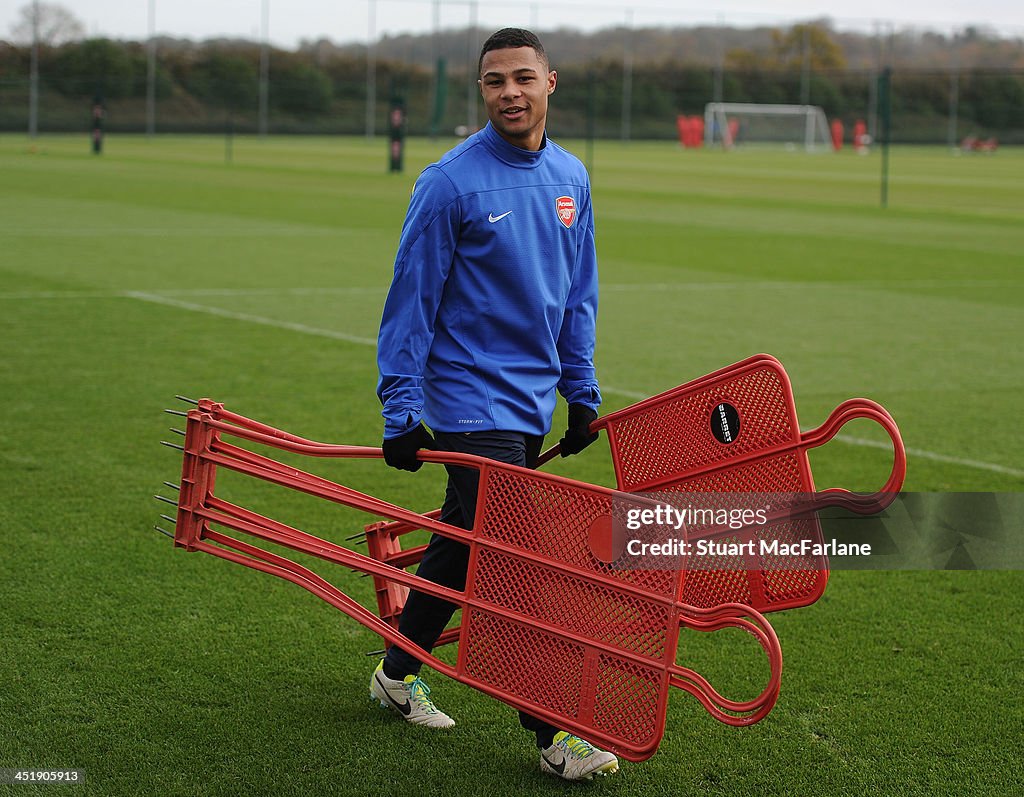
pixel 159 269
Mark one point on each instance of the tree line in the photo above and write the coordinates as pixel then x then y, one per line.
pixel 323 88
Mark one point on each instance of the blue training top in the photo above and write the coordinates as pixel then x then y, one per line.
pixel 494 298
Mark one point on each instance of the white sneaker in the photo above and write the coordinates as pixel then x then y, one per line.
pixel 409 698
pixel 572 758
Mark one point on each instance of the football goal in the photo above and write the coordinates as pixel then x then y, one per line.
pixel 731 124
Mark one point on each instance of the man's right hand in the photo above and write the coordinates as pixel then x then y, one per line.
pixel 400 452
pixel 578 436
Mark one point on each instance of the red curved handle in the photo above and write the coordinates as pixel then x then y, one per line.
pixel 862 503
pixel 732 712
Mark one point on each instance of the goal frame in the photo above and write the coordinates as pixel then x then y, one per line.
pixel 816 136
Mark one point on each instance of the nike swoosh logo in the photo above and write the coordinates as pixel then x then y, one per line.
pixel 559 767
pixel 405 708
pixel 492 218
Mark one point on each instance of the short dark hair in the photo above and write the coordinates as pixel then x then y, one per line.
pixel 510 38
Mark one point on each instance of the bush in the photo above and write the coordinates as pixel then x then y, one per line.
pixel 228 80
pixel 300 89
pixel 97 66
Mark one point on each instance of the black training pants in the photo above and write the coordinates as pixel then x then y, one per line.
pixel 446 561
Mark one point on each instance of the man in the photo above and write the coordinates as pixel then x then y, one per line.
pixel 492 308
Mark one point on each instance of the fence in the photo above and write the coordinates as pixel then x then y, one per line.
pixel 304 95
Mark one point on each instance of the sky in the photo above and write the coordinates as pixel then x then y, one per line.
pixel 290 21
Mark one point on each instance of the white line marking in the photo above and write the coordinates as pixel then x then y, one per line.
pixel 633 394
pixel 622 287
pixel 30 295
pixel 164 232
pixel 887 446
pixel 347 290
pixel 252 319
pixel 330 333
pixel 921 454
pixel 660 287
pixel 351 290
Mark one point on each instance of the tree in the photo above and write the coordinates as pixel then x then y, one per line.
pixel 52 23
pixel 95 66
pixel 226 79
pixel 789 47
pixel 300 88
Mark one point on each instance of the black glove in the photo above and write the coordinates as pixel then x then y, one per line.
pixel 578 436
pixel 400 452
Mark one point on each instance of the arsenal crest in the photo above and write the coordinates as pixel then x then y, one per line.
pixel 565 206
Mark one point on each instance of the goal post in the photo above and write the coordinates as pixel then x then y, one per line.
pixel 731 123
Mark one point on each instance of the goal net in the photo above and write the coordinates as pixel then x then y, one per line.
pixel 733 124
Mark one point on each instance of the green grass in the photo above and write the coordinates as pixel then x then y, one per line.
pixel 159 269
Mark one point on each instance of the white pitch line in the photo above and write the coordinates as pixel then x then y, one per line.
pixel 32 295
pixel 858 441
pixel 632 394
pixel 661 287
pixel 344 290
pixel 252 319
pixel 230 292
pixel 620 287
pixel 921 454
pixel 163 232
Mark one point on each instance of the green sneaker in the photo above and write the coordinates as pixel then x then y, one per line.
pixel 409 697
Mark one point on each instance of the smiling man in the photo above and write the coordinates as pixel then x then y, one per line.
pixel 516 83
pixel 491 311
